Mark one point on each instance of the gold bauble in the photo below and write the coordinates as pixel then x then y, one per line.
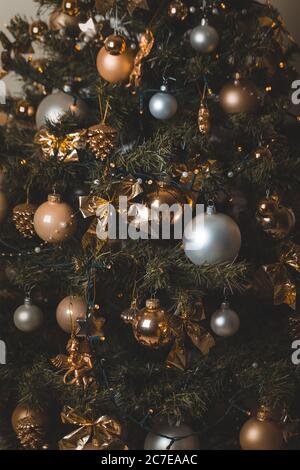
pixel 239 97
pixel 274 219
pixel 25 411
pixel 151 325
pixel 23 215
pixel 260 433
pixel 115 44
pixel 102 140
pixel 60 20
pixel 114 68
pixel 37 29
pixel 178 10
pixel 69 310
pixel 3 205
pixel 54 220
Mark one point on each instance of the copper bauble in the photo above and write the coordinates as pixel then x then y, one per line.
pixel 69 310
pixel 115 44
pixel 114 68
pixel 54 220
pixel 239 97
pixel 25 411
pixel 3 205
pixel 260 433
pixel 178 10
pixel 274 219
pixel 60 20
pixel 151 326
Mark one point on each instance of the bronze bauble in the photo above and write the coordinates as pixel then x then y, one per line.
pixel 25 411
pixel 114 68
pixel 151 325
pixel 115 44
pixel 60 20
pixel 3 205
pixel 54 220
pixel 239 97
pixel 262 434
pixel 274 219
pixel 69 310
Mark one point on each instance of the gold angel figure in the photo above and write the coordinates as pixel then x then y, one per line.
pixel 78 363
pixel 146 43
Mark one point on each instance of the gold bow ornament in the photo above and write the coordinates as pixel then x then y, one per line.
pixel 279 278
pixel 188 325
pixel 64 149
pixel 104 433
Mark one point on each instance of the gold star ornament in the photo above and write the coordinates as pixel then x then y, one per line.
pixel 133 4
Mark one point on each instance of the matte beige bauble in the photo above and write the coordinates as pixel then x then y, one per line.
pixel 54 220
pixel 261 433
pixel 239 97
pixel 114 68
pixel 69 310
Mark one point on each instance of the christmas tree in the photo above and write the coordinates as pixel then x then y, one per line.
pixel 147 339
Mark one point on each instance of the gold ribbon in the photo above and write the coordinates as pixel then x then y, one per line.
pixel 281 276
pixel 104 432
pixel 188 326
pixel 63 148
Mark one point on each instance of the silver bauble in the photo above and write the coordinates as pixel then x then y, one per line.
pixel 212 238
pixel 56 105
pixel 225 322
pixel 163 105
pixel 28 317
pixel 204 38
pixel 155 442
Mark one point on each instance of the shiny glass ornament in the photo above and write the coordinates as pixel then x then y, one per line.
pixel 151 326
pixel 71 7
pixel 261 433
pixel 225 321
pixel 54 220
pixel 163 105
pixel 204 38
pixel 275 219
pixel 28 317
pixel 69 310
pixel 115 68
pixel 115 44
pixel 239 97
pixel 212 238
pixel 24 109
pixel 158 442
pixel 55 106
pixel 178 10
pixel 37 29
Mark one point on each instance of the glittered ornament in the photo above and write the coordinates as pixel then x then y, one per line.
pixel 114 68
pixel 102 140
pixel 31 426
pixel 151 326
pixel 62 21
pixel 24 109
pixel 163 434
pixel 225 321
pixel 115 44
pixel 204 122
pixel 54 221
pixel 274 219
pixel 212 238
pixel 28 317
pixel 261 432
pixel 37 29
pixel 239 97
pixel 163 105
pixel 204 38
pixel 23 218
pixel 69 310
pixel 55 106
pixel 178 10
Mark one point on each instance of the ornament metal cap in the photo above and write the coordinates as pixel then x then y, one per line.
pixel 27 300
pixel 211 209
pixel 225 305
pixel 204 22
pixel 54 198
pixel 152 304
pixel 263 413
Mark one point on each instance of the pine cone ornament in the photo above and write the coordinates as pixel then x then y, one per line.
pixel 30 434
pixel 23 218
pixel 102 140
